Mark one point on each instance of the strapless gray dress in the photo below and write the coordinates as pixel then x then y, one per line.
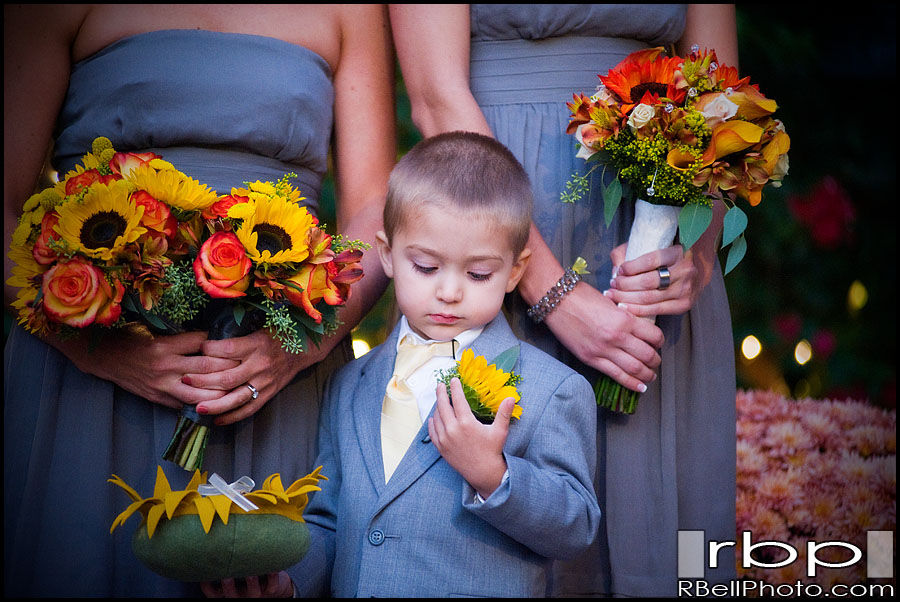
pixel 671 465
pixel 224 108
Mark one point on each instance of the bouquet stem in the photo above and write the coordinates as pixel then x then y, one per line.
pixel 654 228
pixel 188 444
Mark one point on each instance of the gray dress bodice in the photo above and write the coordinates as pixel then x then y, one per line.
pixel 224 108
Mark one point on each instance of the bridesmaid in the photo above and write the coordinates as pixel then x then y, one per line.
pixel 507 71
pixel 227 93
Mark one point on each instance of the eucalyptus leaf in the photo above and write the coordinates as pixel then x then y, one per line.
pixel 238 311
pixel 612 196
pixel 733 225
pixel 155 321
pixel 506 361
pixel 736 253
pixel 693 221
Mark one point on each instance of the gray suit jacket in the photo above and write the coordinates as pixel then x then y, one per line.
pixel 422 534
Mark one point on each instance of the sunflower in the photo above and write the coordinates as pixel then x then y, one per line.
pixel 485 386
pixel 103 223
pixel 172 187
pixel 274 230
pixel 179 537
pixel 26 274
pixel 643 77
pixel 271 498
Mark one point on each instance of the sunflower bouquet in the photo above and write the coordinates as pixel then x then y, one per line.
pixel 486 385
pixel 257 532
pixel 126 238
pixel 681 133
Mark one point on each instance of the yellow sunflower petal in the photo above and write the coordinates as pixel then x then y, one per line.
pixel 132 508
pixel 117 480
pixel 273 483
pixel 153 518
pixel 196 480
pixel 173 499
pixel 222 505
pixel 263 496
pixel 206 511
pixel 162 487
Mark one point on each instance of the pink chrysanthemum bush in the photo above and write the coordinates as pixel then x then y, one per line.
pixel 813 470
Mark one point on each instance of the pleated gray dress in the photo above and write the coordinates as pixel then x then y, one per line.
pixel 671 465
pixel 225 109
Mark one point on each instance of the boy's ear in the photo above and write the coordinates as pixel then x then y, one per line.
pixel 518 270
pixel 384 253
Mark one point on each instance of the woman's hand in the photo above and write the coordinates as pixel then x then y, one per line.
pixel 636 283
pixel 273 585
pixel 256 359
pixel 607 338
pixel 149 367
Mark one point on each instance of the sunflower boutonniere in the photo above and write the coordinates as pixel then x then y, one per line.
pixel 486 385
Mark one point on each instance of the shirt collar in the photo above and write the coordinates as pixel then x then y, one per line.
pixel 464 339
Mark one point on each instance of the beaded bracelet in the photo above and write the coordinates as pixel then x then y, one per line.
pixel 548 302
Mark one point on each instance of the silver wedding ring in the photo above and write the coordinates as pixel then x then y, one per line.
pixel 253 390
pixel 664 279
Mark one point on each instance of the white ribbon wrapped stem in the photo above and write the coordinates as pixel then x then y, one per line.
pixel 234 491
pixel 654 228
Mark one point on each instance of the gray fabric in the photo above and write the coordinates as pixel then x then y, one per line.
pixel 261 101
pixel 435 541
pixel 671 465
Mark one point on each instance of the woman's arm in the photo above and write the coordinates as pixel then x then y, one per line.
pixel 37 63
pixel 432 44
pixel 433 50
pixel 363 153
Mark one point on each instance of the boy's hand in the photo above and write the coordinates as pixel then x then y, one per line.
pixel 474 449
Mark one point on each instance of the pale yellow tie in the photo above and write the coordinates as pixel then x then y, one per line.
pixel 400 419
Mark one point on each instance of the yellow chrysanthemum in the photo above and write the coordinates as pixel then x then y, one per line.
pixel 23 231
pixel 103 223
pixel 271 498
pixel 488 382
pixel 172 187
pixel 276 231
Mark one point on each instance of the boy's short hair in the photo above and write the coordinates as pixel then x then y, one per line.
pixel 465 170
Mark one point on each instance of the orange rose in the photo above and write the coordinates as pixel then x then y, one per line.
pixel 157 218
pixel 77 293
pixel 42 252
pixel 124 163
pixel 222 267
pixel 88 178
pixel 220 207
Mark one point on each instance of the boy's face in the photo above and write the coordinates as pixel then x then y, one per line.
pixel 451 270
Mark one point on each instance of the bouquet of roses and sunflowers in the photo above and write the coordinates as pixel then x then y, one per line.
pixel 127 238
pixel 681 132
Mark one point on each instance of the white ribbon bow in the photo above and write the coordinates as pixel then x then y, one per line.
pixel 234 492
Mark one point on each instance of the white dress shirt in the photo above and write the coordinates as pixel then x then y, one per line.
pixel 423 381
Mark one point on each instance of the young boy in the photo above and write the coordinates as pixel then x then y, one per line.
pixel 454 506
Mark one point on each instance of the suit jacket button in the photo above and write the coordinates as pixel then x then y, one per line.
pixel 376 537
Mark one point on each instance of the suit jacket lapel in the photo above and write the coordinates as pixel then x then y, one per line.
pixel 370 390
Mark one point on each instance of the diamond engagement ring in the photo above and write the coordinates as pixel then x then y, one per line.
pixel 664 280
pixel 253 390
